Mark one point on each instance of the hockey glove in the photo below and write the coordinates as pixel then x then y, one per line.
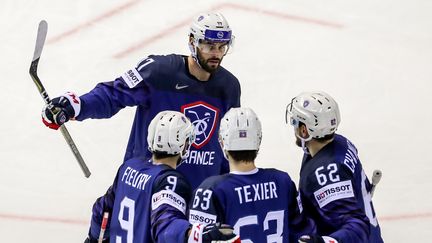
pixel 212 233
pixel 91 240
pixel 64 108
pixel 316 239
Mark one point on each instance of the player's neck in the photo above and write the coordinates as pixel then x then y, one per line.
pixel 241 166
pixel 171 161
pixel 196 71
pixel 314 146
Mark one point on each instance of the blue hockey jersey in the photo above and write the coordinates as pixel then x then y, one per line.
pixel 164 83
pixel 336 194
pixel 146 203
pixel 262 205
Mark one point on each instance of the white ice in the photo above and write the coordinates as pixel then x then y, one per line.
pixel 373 57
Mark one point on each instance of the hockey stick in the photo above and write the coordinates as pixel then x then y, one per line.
pixel 376 177
pixel 103 227
pixel 40 41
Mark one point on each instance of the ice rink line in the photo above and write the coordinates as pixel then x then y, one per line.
pixel 219 7
pixel 112 12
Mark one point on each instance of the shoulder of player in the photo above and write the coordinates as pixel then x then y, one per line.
pixel 275 173
pixel 166 171
pixel 134 164
pixel 214 182
pixel 337 152
pixel 346 154
pixel 163 179
pixel 150 68
pixel 228 76
pixel 160 62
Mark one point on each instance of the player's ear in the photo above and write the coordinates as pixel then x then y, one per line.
pixel 303 131
pixel 191 40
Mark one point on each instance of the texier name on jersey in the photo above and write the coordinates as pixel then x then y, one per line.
pixel 256 192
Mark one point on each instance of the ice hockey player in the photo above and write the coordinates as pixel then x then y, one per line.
pixel 333 187
pixel 261 204
pixel 148 199
pixel 196 85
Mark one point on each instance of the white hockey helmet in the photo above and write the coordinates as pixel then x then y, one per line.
pixel 317 110
pixel 240 129
pixel 170 132
pixel 212 27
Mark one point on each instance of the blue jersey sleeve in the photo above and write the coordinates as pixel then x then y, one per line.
pixel 299 224
pixel 102 204
pixel 169 204
pixel 107 98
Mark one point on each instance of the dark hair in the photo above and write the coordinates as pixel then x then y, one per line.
pixel 244 155
pixel 163 155
pixel 320 140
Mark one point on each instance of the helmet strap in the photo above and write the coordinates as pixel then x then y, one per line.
pixel 303 145
pixel 303 142
pixel 193 48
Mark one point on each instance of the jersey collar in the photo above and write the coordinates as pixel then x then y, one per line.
pixel 245 172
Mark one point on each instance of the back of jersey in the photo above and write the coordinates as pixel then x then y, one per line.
pixel 336 193
pixel 130 220
pixel 258 204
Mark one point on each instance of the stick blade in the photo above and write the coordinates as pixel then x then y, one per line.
pixel 40 40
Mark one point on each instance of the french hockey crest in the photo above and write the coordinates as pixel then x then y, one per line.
pixel 204 117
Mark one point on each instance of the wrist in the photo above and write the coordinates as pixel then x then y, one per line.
pixel 75 103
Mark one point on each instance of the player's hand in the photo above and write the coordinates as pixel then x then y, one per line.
pixel 316 239
pixel 66 107
pixel 211 233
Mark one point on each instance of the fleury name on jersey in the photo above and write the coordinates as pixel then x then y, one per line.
pixel 256 192
pixel 135 179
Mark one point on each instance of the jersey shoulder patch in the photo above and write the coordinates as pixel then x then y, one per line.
pixel 168 197
pixel 132 78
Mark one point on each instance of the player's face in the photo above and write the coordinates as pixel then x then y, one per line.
pixel 210 55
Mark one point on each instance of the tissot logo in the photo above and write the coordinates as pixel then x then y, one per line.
pixel 333 192
pixel 204 117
